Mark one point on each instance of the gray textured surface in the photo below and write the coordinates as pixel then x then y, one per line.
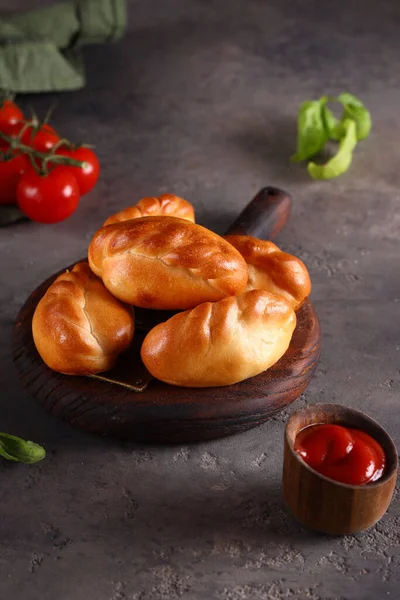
pixel 200 99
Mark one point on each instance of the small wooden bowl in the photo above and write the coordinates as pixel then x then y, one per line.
pixel 326 505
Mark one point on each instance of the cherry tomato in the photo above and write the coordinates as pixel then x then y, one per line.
pixel 48 198
pixel 42 139
pixel 10 114
pixel 11 171
pixel 88 175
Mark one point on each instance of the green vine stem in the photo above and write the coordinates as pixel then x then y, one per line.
pixel 44 157
pixel 49 114
pixel 63 142
pixel 70 145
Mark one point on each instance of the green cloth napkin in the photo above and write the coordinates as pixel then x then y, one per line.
pixel 40 50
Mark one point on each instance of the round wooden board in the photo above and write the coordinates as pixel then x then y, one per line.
pixel 164 413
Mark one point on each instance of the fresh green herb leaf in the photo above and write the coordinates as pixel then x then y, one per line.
pixel 345 98
pixel 19 450
pixel 331 124
pixel 311 134
pixel 317 124
pixel 342 160
pixel 354 109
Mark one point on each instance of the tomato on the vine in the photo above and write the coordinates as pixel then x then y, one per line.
pixel 11 170
pixel 41 139
pixel 48 198
pixel 88 174
pixel 10 114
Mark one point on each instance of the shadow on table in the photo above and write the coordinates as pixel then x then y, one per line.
pixel 243 516
pixel 270 141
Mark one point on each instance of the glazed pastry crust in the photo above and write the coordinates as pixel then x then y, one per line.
pixel 166 263
pixel 166 205
pixel 272 270
pixel 78 327
pixel 220 343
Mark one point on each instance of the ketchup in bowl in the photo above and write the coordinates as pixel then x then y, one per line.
pixel 341 453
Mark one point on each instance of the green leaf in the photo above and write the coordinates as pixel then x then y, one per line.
pixel 317 124
pixel 346 98
pixel 331 124
pixel 19 450
pixel 311 134
pixel 342 159
pixel 354 109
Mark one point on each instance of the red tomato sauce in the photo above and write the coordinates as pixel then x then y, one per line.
pixel 341 453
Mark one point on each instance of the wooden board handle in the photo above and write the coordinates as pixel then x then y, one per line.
pixel 265 215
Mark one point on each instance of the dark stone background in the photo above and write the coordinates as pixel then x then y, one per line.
pixel 200 99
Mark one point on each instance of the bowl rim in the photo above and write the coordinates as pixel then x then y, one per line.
pixel 392 466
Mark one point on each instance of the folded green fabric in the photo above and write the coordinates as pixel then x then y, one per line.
pixel 40 49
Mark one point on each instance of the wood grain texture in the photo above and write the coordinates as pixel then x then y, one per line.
pixel 265 215
pixel 330 506
pixel 164 413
